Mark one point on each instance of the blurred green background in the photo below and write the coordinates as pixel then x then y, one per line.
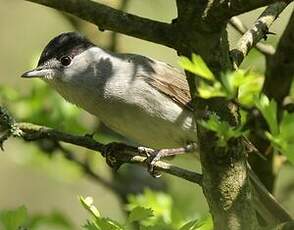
pixel 47 182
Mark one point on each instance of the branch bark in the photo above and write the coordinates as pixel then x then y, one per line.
pixel 115 153
pixel 238 25
pixel 235 7
pixel 107 18
pixel 280 67
pixel 258 31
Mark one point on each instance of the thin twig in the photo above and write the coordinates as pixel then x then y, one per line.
pixel 258 31
pixel 238 25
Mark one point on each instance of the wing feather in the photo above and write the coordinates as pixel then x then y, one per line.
pixel 170 81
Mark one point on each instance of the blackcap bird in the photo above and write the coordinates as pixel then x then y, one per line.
pixel 141 98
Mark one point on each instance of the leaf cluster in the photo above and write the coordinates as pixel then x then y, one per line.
pixel 149 211
pixel 244 88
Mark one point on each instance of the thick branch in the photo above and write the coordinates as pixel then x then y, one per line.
pixel 115 153
pixel 107 18
pixel 258 31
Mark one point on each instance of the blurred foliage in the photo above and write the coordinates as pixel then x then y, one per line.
pixel 19 219
pixel 42 106
pixel 150 211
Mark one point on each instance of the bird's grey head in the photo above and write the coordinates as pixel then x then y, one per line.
pixel 62 58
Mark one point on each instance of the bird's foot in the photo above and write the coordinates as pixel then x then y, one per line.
pixel 153 156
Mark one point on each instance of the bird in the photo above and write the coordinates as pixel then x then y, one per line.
pixel 143 99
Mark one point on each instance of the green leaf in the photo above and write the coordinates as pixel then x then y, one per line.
pixel 268 110
pixel 91 226
pixel 204 223
pixel 89 206
pixel 222 129
pixel 140 213
pixel 191 225
pixel 160 203
pixel 54 219
pixel 196 66
pixel 208 91
pixel 107 224
pixel 14 219
pixel 284 140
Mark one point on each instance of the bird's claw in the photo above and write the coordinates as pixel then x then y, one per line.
pixel 152 156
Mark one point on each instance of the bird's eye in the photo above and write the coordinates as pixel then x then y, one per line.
pixel 65 60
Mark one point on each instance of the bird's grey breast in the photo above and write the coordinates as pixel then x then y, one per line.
pixel 114 88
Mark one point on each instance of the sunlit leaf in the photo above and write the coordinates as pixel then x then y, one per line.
pixel 222 129
pixel 268 110
pixel 140 213
pixel 284 140
pixel 196 66
pixel 160 203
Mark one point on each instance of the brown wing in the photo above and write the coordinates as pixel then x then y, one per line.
pixel 171 82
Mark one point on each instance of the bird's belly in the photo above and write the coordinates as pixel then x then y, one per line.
pixel 155 129
pixel 149 119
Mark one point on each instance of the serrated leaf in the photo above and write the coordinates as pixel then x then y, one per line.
pixel 14 219
pixel 140 213
pixel 196 66
pixel 222 129
pixel 160 203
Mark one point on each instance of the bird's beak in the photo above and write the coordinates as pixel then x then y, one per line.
pixel 39 72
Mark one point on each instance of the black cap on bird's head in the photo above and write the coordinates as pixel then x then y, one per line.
pixel 65 44
pixel 61 49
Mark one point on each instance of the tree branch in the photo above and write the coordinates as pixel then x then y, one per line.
pixel 237 7
pixel 238 25
pixel 280 67
pixel 284 226
pixel 107 18
pixel 115 153
pixel 258 31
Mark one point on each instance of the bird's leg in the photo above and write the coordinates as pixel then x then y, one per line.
pixel 155 155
